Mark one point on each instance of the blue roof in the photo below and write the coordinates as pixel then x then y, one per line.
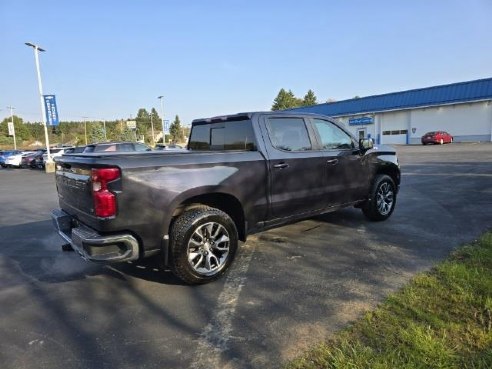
pixel 438 95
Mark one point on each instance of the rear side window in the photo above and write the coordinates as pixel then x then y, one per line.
pixel 233 135
pixel 289 134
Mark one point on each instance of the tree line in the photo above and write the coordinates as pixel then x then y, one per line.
pixel 75 132
pixel 287 100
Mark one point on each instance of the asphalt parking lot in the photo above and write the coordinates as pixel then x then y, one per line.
pixel 289 288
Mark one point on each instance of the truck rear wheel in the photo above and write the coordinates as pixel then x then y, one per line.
pixel 203 244
pixel 382 199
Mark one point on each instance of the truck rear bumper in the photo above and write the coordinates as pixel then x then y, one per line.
pixel 90 244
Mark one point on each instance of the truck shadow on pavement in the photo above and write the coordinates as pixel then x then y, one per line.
pixel 35 250
pixel 60 311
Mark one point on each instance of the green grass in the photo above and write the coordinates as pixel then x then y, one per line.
pixel 441 319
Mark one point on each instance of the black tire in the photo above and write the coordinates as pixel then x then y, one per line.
pixel 382 199
pixel 210 235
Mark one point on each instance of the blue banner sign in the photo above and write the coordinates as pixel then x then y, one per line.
pixel 165 127
pixel 50 109
pixel 360 121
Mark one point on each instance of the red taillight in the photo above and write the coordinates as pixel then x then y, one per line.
pixel 104 200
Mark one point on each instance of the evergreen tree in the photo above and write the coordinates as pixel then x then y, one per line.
pixel 175 130
pixel 96 133
pixel 142 115
pixel 286 100
pixel 309 99
pixel 156 120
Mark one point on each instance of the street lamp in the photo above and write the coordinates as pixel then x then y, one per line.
pixel 162 120
pixel 37 49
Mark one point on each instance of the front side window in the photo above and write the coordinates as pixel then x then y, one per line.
pixel 332 137
pixel 289 134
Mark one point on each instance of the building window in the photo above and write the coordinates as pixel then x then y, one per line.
pixel 395 132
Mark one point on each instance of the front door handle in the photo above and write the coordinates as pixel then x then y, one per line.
pixel 281 165
pixel 332 162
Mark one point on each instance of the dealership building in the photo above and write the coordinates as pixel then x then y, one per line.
pixel 462 109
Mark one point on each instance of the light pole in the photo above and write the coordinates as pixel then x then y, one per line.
pixel 162 120
pixel 13 128
pixel 37 49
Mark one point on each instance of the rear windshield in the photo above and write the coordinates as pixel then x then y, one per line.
pixel 231 135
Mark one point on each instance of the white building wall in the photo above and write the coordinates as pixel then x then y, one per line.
pixel 465 122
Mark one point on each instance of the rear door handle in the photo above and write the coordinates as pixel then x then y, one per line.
pixel 332 162
pixel 281 165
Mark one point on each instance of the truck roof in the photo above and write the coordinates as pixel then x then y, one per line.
pixel 247 115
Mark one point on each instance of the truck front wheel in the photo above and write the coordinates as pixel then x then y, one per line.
pixel 203 244
pixel 382 199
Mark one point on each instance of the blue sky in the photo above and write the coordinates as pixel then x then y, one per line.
pixel 107 59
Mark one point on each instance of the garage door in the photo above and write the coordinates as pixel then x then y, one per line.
pixel 396 137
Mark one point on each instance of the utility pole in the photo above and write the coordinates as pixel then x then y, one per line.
pixel 105 136
pixel 85 128
pixel 13 127
pixel 152 128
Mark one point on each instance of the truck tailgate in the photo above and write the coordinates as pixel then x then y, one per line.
pixel 74 188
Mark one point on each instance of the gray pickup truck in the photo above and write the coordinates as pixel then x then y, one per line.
pixel 241 174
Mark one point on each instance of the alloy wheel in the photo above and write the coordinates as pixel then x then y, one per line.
pixel 384 198
pixel 208 248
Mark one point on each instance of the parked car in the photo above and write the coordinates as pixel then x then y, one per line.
pixel 5 154
pixel 15 160
pixel 436 137
pixel 29 160
pixel 38 161
pixel 55 152
pixel 116 147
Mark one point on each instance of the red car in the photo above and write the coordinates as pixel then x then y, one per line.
pixel 437 137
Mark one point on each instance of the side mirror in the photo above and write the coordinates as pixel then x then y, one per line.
pixel 365 144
